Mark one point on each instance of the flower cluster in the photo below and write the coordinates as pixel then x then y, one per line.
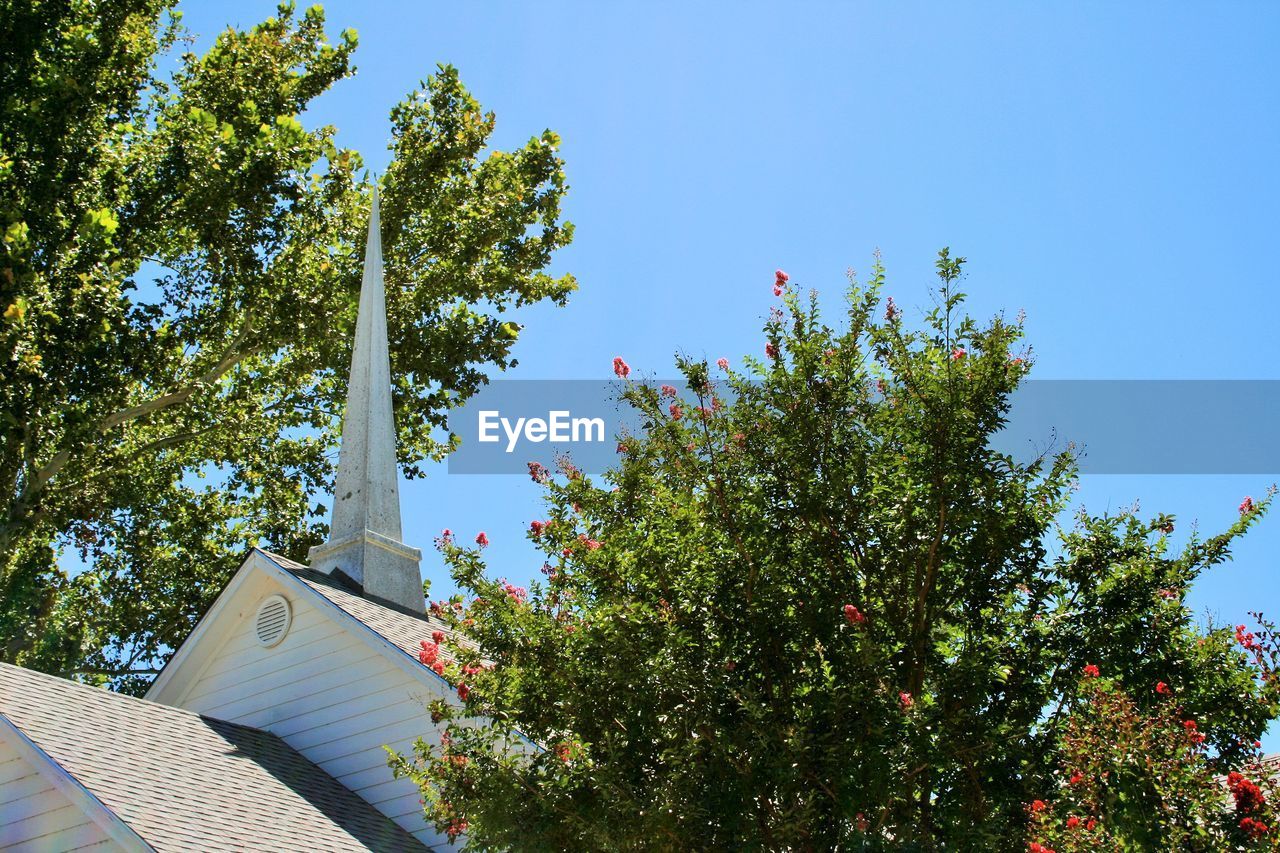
pixel 780 280
pixel 853 615
pixel 620 368
pixel 1249 801
pixel 891 310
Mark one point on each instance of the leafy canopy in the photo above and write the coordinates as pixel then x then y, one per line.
pixel 179 262
pixel 816 611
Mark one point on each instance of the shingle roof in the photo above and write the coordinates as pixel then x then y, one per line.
pixel 182 781
pixel 403 630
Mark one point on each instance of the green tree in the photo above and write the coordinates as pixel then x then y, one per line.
pixel 813 608
pixel 178 278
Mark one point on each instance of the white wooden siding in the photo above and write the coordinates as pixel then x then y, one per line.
pixel 37 818
pixel 329 695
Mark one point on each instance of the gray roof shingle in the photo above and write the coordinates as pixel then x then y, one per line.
pixel 187 782
pixel 403 630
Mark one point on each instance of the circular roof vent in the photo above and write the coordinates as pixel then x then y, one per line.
pixel 272 621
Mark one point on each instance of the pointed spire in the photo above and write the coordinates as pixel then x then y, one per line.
pixel 364 544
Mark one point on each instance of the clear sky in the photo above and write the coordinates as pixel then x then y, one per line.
pixel 1109 168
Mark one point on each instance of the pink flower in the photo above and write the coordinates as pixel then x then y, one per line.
pixel 428 653
pixel 905 700
pixel 538 472
pixel 437 637
pixel 1091 671
pixel 482 539
pixel 722 363
pixel 853 615
pixel 770 350
pixel 958 353
pixel 668 391
pixel 891 311
pixel 621 368
pixel 676 412
pixel 438 667
pixel 780 278
pixel 1246 506
pixel 536 528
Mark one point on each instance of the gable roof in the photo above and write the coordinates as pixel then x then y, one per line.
pixel 182 781
pixel 403 630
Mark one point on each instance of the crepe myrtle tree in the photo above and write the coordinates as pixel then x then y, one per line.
pixel 180 258
pixel 1140 775
pixel 813 608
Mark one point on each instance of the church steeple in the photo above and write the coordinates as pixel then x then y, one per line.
pixel 364 544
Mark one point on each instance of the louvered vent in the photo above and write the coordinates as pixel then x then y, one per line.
pixel 272 621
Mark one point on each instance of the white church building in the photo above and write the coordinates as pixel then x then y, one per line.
pixel 268 728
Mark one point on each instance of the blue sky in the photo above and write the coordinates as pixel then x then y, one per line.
pixel 1111 169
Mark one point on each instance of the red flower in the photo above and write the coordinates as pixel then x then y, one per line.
pixel 676 412
pixel 667 391
pixel 1163 688
pixel 1255 828
pixel 1038 806
pixel 437 637
pixel 1248 796
pixel 1090 824
pixel 482 539
pixel 536 528
pixel 853 615
pixel 779 277
pixel 429 653
pixel 563 752
pixel 722 363
pixel 905 700
pixel 463 691
pixel 1091 671
pixel 770 350
pixel 1246 506
pixel 861 822
pixel 1076 778
pixel 958 353
pixel 438 667
pixel 1073 822
pixel 621 368
pixel 538 472
pixel 1246 639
